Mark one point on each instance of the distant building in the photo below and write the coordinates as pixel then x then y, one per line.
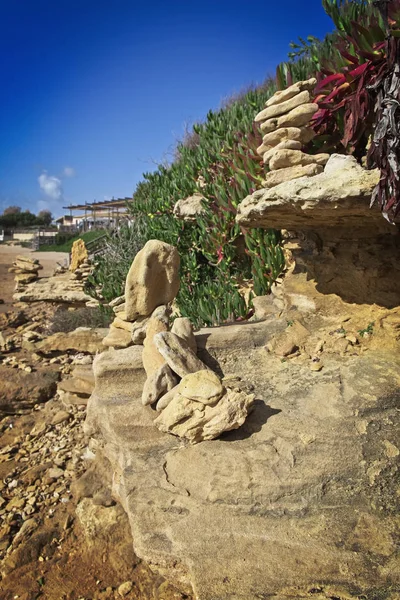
pixel 108 213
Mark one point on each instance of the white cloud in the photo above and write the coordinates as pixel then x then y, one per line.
pixel 69 172
pixel 51 186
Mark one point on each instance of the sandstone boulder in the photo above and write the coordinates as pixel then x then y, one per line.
pixel 153 279
pixel 79 254
pixel 285 144
pixel 55 289
pixel 198 422
pixel 285 158
pixel 152 359
pixel 190 208
pixel 177 354
pixel 203 386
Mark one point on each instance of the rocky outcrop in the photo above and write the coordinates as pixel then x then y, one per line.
pixel 339 196
pixel 82 339
pixel 153 279
pixel 308 479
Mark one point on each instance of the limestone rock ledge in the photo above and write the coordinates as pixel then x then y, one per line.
pixel 301 498
pixel 340 196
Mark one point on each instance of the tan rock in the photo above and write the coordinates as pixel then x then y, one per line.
pixel 341 194
pixel 27 259
pixel 79 254
pixel 120 323
pixel 167 398
pixel 153 279
pixel 183 328
pixel 139 330
pixel 282 175
pixel 299 134
pixel 285 144
pixel 116 301
pixel 152 359
pixel 82 339
pixel 157 384
pixel 290 340
pixel 298 117
pixel 190 208
pixel 27 267
pixel 284 107
pixel 178 354
pixel 117 338
pixel 25 277
pixel 284 95
pixel 203 386
pixel 197 422
pixel 76 386
pixel 285 158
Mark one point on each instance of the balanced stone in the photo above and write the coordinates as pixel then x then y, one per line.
pixel 153 279
pixel 282 108
pixel 197 422
pixel 300 134
pixel 283 95
pixel 79 254
pixel 281 175
pixel 152 359
pixel 286 144
pixel 178 354
pixel 291 158
pixel 204 387
pixel 183 328
pixel 298 117
pixel 158 383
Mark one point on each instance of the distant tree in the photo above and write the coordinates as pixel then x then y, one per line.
pixel 12 210
pixel 44 217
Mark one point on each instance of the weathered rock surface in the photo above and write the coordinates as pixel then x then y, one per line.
pixel 276 110
pixel 283 95
pixel 158 383
pixel 338 196
pixel 82 339
pixel 275 178
pixel 54 289
pixel 79 254
pixel 286 157
pixel 300 134
pixel 298 117
pixel 152 359
pixel 153 279
pixel 20 390
pixel 177 354
pixel 183 328
pixel 197 422
pixel 304 492
pixel 190 208
pixel 203 386
pixel 117 338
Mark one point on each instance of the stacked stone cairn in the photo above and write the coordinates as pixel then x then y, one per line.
pixel 26 271
pixel 285 124
pixel 81 268
pixel 191 399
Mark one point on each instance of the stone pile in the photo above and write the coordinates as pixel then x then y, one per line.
pixel 82 272
pixel 26 271
pixel 285 124
pixel 77 389
pixel 191 399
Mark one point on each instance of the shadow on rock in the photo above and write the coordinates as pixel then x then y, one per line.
pixel 259 415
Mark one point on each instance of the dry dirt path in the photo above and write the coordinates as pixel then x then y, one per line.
pixel 48 260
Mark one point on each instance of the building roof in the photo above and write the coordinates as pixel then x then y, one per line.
pixel 118 203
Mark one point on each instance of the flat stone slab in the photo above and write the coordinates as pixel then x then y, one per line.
pixel 302 497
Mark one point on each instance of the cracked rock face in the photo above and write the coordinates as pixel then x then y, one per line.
pixel 302 497
pixel 340 196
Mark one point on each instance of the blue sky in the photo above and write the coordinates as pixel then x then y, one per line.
pixel 93 94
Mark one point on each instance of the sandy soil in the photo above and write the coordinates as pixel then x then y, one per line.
pixel 48 260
